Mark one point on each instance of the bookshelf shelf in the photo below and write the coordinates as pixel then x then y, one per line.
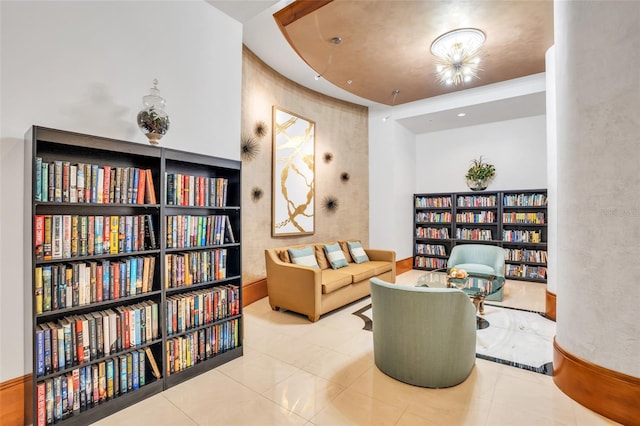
pixel 96 264
pixel 515 220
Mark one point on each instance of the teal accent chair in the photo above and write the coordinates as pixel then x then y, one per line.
pixel 423 336
pixel 482 259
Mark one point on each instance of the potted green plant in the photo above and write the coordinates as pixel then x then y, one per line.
pixel 479 174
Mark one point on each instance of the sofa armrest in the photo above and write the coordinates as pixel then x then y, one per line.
pixel 384 255
pixel 294 287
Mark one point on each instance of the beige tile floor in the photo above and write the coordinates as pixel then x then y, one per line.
pixel 294 372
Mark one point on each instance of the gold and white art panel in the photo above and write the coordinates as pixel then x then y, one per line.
pixel 293 184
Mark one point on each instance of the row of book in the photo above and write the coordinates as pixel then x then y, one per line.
pixel 474 234
pixel 525 271
pixel 78 339
pixel 422 202
pixel 521 217
pixel 439 217
pixel 203 191
pixel 60 286
pixel 525 200
pixel 431 249
pixel 476 201
pixel 430 262
pixel 190 349
pixel 184 231
pixel 439 233
pixel 60 181
pixel 520 255
pixel 194 309
pixel 67 236
pixel 83 388
pixel 476 217
pixel 185 269
pixel 521 236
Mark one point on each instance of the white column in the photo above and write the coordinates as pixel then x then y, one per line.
pixel 598 194
pixel 552 172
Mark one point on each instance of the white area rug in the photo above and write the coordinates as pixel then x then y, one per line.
pixel 515 337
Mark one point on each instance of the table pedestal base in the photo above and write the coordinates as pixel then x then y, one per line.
pixel 478 302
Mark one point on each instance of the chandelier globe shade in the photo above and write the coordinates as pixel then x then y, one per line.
pixel 457 55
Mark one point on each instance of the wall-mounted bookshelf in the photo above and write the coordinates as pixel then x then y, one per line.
pixel 514 220
pixel 105 282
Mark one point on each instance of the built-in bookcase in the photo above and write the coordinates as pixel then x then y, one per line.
pixel 105 281
pixel 514 220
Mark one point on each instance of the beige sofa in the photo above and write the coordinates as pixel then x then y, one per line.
pixel 316 291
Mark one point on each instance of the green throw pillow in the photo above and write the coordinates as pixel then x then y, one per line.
pixel 335 256
pixel 357 252
pixel 304 257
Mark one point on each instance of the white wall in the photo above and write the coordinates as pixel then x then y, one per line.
pixel 391 181
pixel 517 148
pixel 84 66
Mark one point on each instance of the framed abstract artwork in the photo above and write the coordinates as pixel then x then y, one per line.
pixel 293 174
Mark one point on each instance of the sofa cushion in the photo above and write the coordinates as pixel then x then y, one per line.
pixel 335 256
pixel 333 279
pixel 284 255
pixel 345 249
pixel 357 252
pixel 303 256
pixel 379 266
pixel 360 272
pixel 476 268
pixel 323 263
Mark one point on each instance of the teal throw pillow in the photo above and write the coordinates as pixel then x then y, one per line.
pixel 357 252
pixel 335 255
pixel 304 257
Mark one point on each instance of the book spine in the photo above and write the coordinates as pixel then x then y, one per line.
pixel 134 185
pixel 41 411
pixel 94 183
pixel 44 185
pixel 65 181
pixel 37 188
pixel 73 183
pixel 106 184
pixel 110 379
pixel 150 192
pixel 57 181
pixel 56 237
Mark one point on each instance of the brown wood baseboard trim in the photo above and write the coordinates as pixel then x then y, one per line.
pixel 404 265
pixel 254 291
pixel 550 305
pixel 610 393
pixel 12 395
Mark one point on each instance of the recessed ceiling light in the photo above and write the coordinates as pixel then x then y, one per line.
pixel 462 114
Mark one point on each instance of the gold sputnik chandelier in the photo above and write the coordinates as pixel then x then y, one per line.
pixel 457 55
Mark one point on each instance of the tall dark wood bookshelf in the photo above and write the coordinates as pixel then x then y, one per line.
pixel 514 220
pixel 209 281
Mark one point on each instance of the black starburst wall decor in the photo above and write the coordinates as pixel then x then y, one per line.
pixel 330 204
pixel 260 129
pixel 249 147
pixel 345 177
pixel 327 157
pixel 256 194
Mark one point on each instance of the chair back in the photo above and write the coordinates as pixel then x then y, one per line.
pixel 423 336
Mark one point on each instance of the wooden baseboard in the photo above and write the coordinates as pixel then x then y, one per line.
pixel 607 392
pixel 404 265
pixel 13 400
pixel 550 305
pixel 254 291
